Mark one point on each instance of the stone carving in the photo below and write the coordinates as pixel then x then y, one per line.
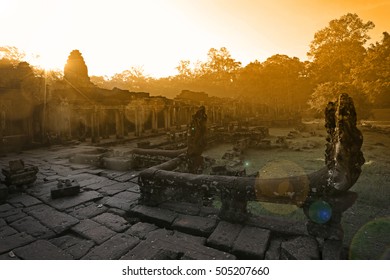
pixel 76 71
pixel 18 174
pixel 323 194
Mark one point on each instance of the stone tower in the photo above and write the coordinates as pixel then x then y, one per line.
pixel 76 71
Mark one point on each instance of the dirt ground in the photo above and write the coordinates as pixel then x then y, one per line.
pixel 367 223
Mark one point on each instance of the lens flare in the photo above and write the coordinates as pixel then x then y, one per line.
pixel 320 212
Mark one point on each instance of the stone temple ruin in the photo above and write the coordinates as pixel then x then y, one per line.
pixel 166 200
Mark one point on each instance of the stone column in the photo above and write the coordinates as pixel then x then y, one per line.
pixel 154 120
pixel 167 118
pixel 94 126
pixel 119 124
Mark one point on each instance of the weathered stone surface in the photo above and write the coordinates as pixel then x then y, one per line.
pixel 8 213
pixel 114 188
pixel 23 200
pixel 113 248
pixel 124 200
pixel 112 221
pixel 120 164
pixel 41 191
pixel 75 246
pixel 300 248
pixel 7 231
pixel 33 227
pixel 5 207
pixel 251 243
pixel 196 225
pixel 163 244
pixel 126 177
pixel 224 236
pixel 158 216
pixel 92 230
pixel 2 222
pixel 67 202
pixel 273 252
pixel 53 219
pixel 14 241
pixel 188 238
pixel 41 250
pixel 16 215
pixel 182 207
pixel 89 211
pixel 112 174
pixel 140 229
pixel 8 257
pixel 65 188
pixel 278 224
pixel 96 183
pixel 3 193
pixel 332 250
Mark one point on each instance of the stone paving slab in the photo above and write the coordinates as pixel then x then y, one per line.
pixel 251 243
pixel 162 244
pixel 112 221
pixel 33 227
pixel 195 225
pixel 7 257
pixel 126 177
pixel 71 201
pixel 93 180
pixel 113 249
pixel 23 200
pixel 273 251
pixel 158 216
pixel 75 246
pixel 224 235
pixel 112 174
pixel 5 207
pixel 7 231
pixel 188 238
pixel 41 191
pixel 124 200
pixel 53 219
pixel 17 214
pixel 141 230
pixel 181 207
pixel 332 250
pixel 92 230
pixel 41 250
pixel 113 189
pixel 278 224
pixel 14 241
pixel 2 222
pixel 300 248
pixel 85 212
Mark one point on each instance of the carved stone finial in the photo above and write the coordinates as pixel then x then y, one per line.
pixel 76 71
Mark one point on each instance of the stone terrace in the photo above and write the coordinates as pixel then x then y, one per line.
pixel 105 221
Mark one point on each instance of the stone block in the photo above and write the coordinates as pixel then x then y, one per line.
pixel 14 241
pixel 72 201
pixel 75 246
pixel 7 231
pixel 114 222
pixel 67 187
pixel 94 231
pixel 113 248
pixel 89 211
pixel 23 200
pixel 273 251
pixel 251 243
pixel 158 216
pixel 53 219
pixel 141 230
pixel 224 235
pixel 182 207
pixel 41 250
pixel 3 193
pixel 332 250
pixel 300 248
pixel 195 225
pixel 33 227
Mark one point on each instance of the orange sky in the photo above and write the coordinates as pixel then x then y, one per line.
pixel 114 35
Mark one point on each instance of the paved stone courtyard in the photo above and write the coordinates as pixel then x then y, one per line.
pixel 105 221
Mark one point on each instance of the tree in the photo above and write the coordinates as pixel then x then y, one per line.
pixel 12 54
pixel 373 74
pixel 338 48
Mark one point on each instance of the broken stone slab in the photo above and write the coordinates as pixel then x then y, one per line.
pixel 141 230
pixel 113 248
pixel 114 222
pixel 53 219
pixel 86 212
pixel 251 243
pixel 158 216
pixel 41 250
pixel 14 241
pixel 72 201
pixel 75 246
pixel 65 187
pixel 224 235
pixel 7 231
pixel 33 227
pixel 300 248
pixel 23 200
pixel 195 225
pixel 94 231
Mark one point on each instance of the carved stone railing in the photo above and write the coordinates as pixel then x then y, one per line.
pixel 324 195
